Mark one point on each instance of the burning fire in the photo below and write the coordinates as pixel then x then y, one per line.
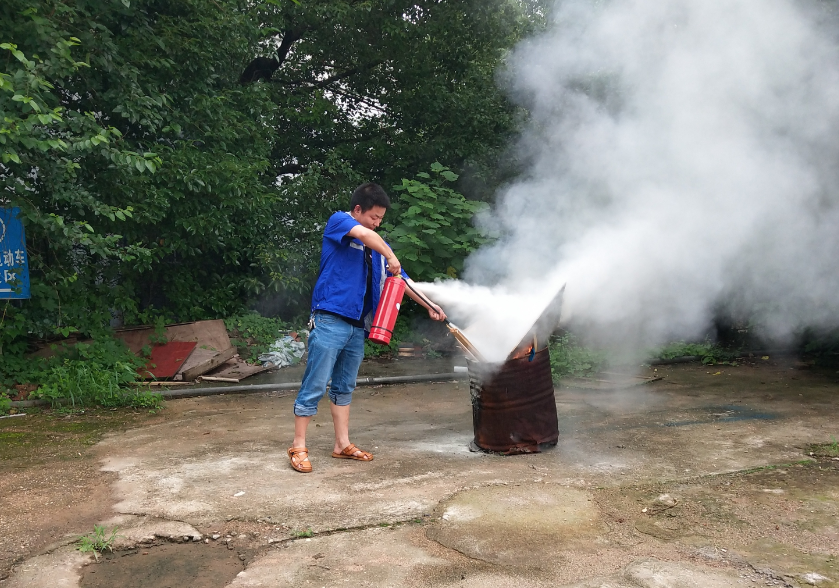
pixel 521 353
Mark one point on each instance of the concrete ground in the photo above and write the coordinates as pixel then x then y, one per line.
pixel 702 478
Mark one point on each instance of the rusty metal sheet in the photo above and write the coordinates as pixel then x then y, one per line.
pixel 514 409
pixel 166 359
pixel 545 325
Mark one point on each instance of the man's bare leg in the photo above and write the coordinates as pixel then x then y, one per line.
pixel 341 422
pixel 301 423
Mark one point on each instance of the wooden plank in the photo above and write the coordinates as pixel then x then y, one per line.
pixel 216 379
pixel 210 335
pixel 213 362
pixel 199 357
pixel 237 368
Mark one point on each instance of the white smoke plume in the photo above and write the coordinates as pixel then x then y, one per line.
pixel 682 160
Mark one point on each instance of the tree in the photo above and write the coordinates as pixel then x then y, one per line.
pixel 180 158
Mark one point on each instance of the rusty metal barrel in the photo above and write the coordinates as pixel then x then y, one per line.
pixel 514 407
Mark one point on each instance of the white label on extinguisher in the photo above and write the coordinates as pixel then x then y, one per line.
pixel 397 306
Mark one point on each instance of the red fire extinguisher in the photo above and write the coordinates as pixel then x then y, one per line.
pixel 387 311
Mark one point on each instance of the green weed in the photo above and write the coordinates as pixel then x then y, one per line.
pixel 253 334
pixel 82 383
pixel 824 449
pixel 98 541
pixel 87 374
pixel 401 334
pixel 707 352
pixel 303 534
pixel 5 403
pixel 570 358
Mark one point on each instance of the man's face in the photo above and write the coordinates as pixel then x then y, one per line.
pixel 370 219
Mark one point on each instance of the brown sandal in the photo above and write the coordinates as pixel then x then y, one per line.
pixel 350 451
pixel 302 464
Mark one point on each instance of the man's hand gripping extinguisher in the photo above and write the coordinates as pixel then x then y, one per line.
pixel 388 310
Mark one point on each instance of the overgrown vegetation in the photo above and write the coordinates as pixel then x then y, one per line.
pixel 708 353
pixel 401 334
pixel 253 334
pixel 570 358
pixel 435 228
pixel 99 373
pixel 5 403
pixel 823 346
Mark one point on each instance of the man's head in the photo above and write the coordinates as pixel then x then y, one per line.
pixel 368 205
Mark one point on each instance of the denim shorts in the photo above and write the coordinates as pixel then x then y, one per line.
pixel 336 349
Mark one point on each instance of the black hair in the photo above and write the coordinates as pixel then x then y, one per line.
pixel 369 195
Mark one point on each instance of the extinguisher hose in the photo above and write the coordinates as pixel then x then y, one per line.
pixel 467 345
pixel 424 299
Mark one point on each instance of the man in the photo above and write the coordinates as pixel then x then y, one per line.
pixel 353 265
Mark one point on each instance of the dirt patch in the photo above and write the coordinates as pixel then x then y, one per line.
pixel 51 486
pixel 166 565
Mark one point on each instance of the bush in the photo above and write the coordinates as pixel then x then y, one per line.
pixel 401 334
pixel 89 374
pixel 569 358
pixel 253 334
pixel 433 230
pixel 709 353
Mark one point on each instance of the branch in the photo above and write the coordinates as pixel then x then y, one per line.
pixel 337 77
pixel 289 38
pixel 291 168
pixel 262 68
pixel 359 99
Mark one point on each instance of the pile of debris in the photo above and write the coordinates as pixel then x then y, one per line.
pixel 189 352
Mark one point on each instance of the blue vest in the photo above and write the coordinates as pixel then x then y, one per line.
pixel 343 273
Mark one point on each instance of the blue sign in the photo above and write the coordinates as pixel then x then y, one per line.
pixel 14 264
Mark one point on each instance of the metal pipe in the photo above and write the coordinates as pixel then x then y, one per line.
pixel 216 390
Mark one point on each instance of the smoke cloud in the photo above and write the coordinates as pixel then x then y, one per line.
pixel 681 162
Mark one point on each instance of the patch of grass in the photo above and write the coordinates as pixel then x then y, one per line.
pixel 97 541
pixel 11 437
pixel 824 449
pixel 708 353
pixel 303 534
pixel 570 358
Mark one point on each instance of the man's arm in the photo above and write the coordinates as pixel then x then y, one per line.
pixel 434 311
pixel 372 240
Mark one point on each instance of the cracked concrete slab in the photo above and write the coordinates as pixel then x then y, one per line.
pixel 498 524
pixel 57 569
